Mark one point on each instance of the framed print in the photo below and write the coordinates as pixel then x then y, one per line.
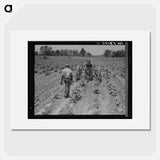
pixel 80 80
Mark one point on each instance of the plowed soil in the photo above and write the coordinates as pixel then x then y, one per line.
pixel 86 97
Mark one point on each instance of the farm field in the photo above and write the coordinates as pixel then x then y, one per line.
pixel 86 97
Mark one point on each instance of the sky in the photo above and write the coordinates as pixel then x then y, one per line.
pixel 93 49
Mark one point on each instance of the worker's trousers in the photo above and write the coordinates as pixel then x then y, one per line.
pixel 67 88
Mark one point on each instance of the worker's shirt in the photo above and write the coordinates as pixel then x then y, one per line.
pixel 67 73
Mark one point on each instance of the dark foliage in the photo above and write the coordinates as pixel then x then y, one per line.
pixel 48 51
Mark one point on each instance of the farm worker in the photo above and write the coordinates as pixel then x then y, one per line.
pixel 67 78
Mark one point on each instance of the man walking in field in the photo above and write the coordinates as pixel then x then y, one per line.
pixel 67 78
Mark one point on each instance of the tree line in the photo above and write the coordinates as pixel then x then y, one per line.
pixel 48 51
pixel 118 53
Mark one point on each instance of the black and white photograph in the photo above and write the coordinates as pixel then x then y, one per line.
pixel 80 79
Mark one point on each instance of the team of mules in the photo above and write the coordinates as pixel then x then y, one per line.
pixel 88 71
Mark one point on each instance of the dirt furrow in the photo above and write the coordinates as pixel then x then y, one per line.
pixel 86 98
